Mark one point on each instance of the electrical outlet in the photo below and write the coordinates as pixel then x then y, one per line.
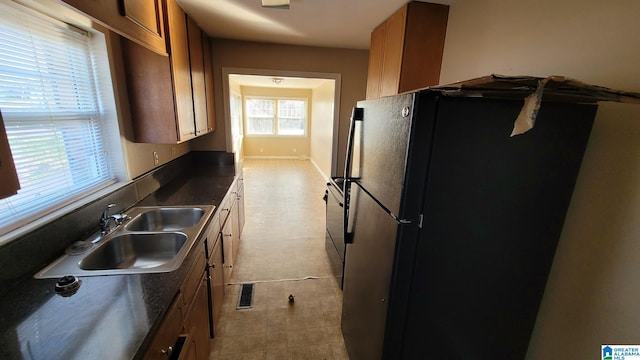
pixel 294 150
pixel 173 150
pixel 261 150
pixel 156 160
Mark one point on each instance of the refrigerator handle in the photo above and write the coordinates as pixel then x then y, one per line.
pixel 356 115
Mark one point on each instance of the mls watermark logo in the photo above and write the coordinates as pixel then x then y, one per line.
pixel 620 352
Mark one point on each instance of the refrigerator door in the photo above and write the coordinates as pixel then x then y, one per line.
pixel 494 208
pixel 368 271
pixel 380 148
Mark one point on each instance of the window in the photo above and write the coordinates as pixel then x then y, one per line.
pixel 50 102
pixel 266 116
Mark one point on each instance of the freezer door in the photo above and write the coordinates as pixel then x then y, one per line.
pixel 380 148
pixel 368 271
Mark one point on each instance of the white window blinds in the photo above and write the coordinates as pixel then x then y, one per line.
pixel 48 100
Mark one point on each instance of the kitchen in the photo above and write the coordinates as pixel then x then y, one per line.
pixel 590 297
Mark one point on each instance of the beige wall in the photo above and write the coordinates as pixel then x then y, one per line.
pixel 295 146
pixel 351 64
pixel 593 291
pixel 322 126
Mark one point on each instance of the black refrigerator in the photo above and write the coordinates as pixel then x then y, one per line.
pixel 452 223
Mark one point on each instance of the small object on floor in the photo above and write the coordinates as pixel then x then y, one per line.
pixel 291 299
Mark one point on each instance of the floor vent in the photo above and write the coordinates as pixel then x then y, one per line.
pixel 245 298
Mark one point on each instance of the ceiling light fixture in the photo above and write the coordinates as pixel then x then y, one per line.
pixel 276 4
pixel 277 81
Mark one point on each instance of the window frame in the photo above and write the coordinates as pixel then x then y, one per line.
pixel 276 118
pixel 101 54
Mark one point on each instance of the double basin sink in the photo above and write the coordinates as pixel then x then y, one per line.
pixel 155 239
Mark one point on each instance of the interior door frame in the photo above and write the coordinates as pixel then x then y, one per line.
pixel 226 71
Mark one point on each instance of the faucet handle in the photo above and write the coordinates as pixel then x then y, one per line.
pixel 121 218
pixel 107 209
pixel 104 219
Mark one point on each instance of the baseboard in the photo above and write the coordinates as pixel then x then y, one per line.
pixel 324 176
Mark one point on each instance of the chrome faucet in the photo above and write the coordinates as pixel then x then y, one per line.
pixel 107 219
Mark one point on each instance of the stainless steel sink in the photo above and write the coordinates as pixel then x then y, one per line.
pixel 166 219
pixel 135 251
pixel 156 239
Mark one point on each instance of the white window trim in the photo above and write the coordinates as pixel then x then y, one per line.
pixel 275 119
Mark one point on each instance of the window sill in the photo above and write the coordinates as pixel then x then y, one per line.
pixel 33 224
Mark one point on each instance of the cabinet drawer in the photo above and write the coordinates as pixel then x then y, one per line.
pixel 226 205
pixel 192 281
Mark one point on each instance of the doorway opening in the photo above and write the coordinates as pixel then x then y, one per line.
pixel 282 114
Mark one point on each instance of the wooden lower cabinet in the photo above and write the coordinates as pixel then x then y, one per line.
pixel 164 341
pixel 184 331
pixel 197 323
pixel 229 234
pixel 216 285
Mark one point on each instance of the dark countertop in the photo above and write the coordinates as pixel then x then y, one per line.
pixel 110 317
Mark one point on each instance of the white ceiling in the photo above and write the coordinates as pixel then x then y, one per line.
pixel 327 23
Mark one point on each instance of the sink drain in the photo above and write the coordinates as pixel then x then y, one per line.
pixel 67 285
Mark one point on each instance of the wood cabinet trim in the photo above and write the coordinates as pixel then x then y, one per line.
pixel 112 15
pixel 9 184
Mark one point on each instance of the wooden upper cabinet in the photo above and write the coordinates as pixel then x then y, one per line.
pixel 176 22
pixel 140 21
pixel 208 83
pixel 196 56
pixel 9 184
pixel 171 98
pixel 376 54
pixel 406 49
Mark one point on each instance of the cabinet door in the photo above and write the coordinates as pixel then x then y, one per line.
pixel 192 280
pixel 208 82
pixel 139 21
pixel 197 322
pixel 217 283
pixel 180 69
pixel 227 247
pixel 235 224
pixel 150 90
pixel 163 343
pixel 9 184
pixel 197 77
pixel 423 45
pixel 393 47
pixel 376 57
pixel 240 206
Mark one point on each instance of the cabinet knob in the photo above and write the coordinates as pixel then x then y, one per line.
pixel 168 352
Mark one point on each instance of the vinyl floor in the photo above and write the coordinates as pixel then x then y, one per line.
pixel 282 252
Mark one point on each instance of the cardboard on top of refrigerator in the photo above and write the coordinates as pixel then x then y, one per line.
pixel 534 90
pixel 555 87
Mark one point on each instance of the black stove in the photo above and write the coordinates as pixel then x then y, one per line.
pixel 334 242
